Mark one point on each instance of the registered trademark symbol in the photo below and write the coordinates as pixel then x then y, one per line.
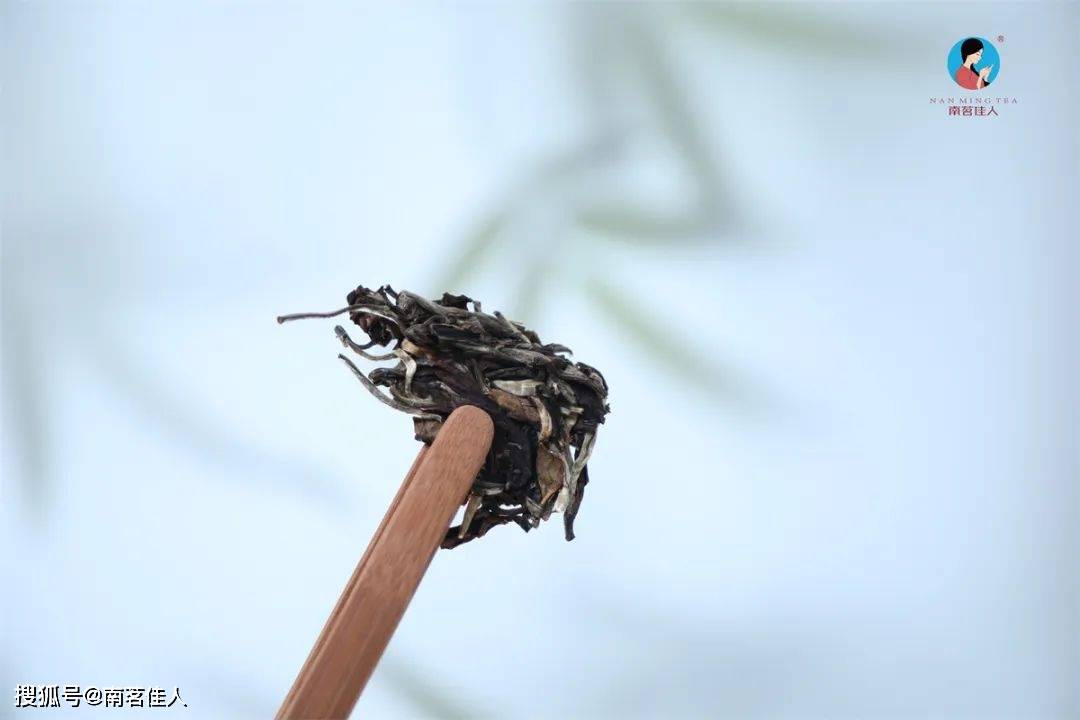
pixel 1001 38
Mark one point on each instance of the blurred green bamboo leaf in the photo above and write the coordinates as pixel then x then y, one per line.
pixel 156 402
pixel 709 206
pixel 636 225
pixel 671 105
pixel 474 248
pixel 428 700
pixel 530 289
pixel 24 401
pixel 791 29
pixel 661 345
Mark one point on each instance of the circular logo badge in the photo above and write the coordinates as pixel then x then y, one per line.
pixel 973 63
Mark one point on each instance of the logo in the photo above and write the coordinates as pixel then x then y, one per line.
pixel 973 63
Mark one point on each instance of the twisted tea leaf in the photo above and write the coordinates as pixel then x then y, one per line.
pixel 545 408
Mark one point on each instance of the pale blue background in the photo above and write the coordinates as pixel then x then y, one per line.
pixel 990 56
pixel 840 321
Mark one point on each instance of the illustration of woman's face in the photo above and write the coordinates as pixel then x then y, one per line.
pixel 975 56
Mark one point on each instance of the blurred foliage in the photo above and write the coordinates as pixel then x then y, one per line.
pixel 618 45
pixel 634 46
pixel 159 405
pixel 24 389
pixel 674 353
pixel 425 698
pixel 791 28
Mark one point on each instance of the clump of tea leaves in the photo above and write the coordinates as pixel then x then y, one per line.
pixel 545 408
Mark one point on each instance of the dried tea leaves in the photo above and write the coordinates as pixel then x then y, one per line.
pixel 545 408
